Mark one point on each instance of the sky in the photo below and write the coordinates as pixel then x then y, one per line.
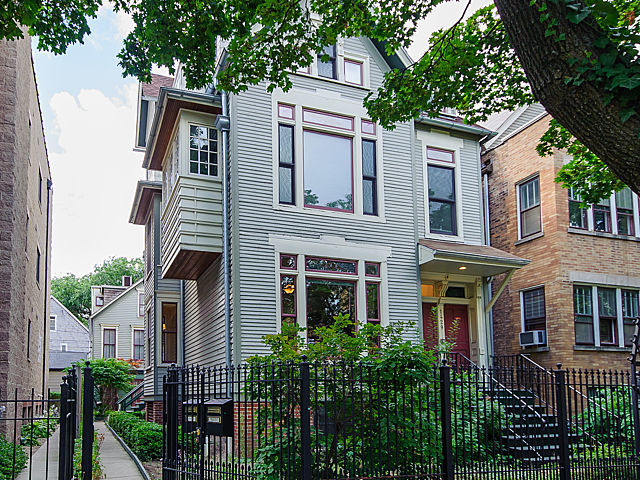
pixel 89 113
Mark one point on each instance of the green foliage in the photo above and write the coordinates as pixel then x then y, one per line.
pixel 96 470
pixel 9 467
pixel 143 438
pixel 383 403
pixel 608 417
pixel 109 376
pixel 610 458
pixel 75 292
pixel 41 428
pixel 589 177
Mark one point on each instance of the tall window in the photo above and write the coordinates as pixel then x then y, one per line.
pixel 369 182
pixel 286 166
pixel 328 171
pixel 52 323
pixel 624 211
pixel 533 309
pixel 602 216
pixel 577 215
pixel 141 304
pixel 327 62
pixel 607 312
pixel 148 247
pixel 583 315
pixel 203 150
pixel 327 299
pixel 530 213
pixel 169 332
pixel 29 339
pixel 442 200
pixel 138 344
pixel 630 312
pixel 109 343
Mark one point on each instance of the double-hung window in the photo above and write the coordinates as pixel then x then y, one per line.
pixel 607 313
pixel 624 212
pixel 109 343
pixel 441 185
pixel 630 312
pixel 533 309
pixel 327 62
pixel 583 314
pixel 331 287
pixel 529 207
pixel 140 304
pixel 169 332
pixel 577 215
pixel 602 216
pixel 138 344
pixel 317 163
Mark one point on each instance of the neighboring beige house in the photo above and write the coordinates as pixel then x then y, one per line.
pixel 117 321
pixel 25 227
pixel 69 342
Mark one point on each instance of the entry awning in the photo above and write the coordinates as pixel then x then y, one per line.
pixel 459 258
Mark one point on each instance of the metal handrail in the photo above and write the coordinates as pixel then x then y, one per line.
pixel 134 394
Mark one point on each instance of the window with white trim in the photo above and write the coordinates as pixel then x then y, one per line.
pixel 109 343
pixel 330 287
pixel 441 191
pixel 138 344
pixel 52 322
pixel 617 214
pixel 338 64
pixel 63 347
pixel 533 309
pixel 601 313
pixel 529 212
pixel 203 150
pixel 327 62
pixel 328 160
pixel 141 304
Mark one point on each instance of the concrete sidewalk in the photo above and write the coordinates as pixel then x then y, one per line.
pixel 116 463
pixel 39 460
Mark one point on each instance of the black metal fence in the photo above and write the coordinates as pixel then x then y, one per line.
pixel 340 420
pixel 38 432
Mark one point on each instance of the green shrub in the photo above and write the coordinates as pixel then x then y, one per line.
pixel 143 438
pixel 41 428
pixel 7 466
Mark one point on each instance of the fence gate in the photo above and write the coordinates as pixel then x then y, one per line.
pixel 39 433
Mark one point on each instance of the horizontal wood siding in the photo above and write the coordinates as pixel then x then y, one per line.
pixel 204 317
pixel 252 130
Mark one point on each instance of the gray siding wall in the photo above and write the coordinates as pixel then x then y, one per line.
pixel 256 219
pixel 122 313
pixel 68 330
pixel 204 317
pixel 471 183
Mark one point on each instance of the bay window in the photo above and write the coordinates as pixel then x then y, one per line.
pixel 330 287
pixel 203 150
pixel 530 215
pixel 319 165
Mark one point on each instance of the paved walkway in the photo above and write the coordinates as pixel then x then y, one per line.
pixel 39 461
pixel 116 463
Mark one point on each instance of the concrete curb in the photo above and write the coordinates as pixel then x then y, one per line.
pixel 133 456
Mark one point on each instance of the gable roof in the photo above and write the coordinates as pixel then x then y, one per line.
pixel 71 314
pixel 508 124
pixel 115 300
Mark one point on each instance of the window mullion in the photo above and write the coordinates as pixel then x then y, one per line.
pixel 619 318
pixel 596 316
pixel 614 214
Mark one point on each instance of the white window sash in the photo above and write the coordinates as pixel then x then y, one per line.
pixel 596 316
pixel 620 319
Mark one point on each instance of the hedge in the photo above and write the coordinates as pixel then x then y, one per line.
pixel 143 438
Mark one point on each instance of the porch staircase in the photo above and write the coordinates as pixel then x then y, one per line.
pixel 132 400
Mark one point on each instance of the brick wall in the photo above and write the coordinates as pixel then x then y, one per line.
pixel 22 157
pixel 553 255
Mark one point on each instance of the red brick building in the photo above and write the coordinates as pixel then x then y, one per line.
pixel 581 288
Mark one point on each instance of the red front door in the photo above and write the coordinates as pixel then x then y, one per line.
pixel 456 328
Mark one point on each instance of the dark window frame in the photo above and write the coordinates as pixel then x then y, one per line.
pixel 331 52
pixel 105 344
pixel 453 203
pixel 529 322
pixel 139 346
pixel 287 166
pixel 166 332
pixel 369 178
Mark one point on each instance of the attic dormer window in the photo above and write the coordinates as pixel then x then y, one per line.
pixel 327 69
pixel 99 301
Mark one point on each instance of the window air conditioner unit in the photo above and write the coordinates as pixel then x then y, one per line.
pixel 533 338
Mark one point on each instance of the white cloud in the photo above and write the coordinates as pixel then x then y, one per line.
pixel 122 22
pixel 94 172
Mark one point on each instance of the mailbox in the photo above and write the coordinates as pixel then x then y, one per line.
pixel 218 417
pixel 215 415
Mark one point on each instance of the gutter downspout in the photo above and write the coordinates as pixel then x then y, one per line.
pixel 223 125
pixel 487 236
pixel 182 322
pixel 47 295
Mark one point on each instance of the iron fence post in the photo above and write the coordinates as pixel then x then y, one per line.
pixel 87 425
pixel 62 448
pixel 202 421
pixel 563 427
pixel 305 419
pixel 445 413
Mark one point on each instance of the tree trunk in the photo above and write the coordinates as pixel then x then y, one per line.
pixel 580 109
